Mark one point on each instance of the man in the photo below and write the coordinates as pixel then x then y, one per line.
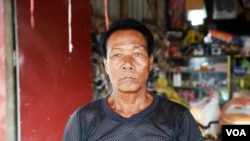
pixel 130 112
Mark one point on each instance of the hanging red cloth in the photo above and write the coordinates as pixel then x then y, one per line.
pixel 32 8
pixel 69 26
pixel 106 14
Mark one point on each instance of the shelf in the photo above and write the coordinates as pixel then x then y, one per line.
pixel 198 87
pixel 202 56
pixel 240 56
pixel 196 71
pixel 199 74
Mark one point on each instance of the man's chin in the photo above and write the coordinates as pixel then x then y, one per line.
pixel 129 89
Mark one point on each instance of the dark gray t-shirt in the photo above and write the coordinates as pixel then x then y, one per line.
pixel 163 120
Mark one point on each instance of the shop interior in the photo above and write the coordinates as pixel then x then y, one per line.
pixel 51 64
pixel 202 57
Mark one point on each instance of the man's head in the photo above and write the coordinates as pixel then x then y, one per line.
pixel 127 24
pixel 128 56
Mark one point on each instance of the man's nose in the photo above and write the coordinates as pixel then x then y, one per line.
pixel 128 62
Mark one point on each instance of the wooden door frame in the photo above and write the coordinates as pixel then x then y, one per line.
pixel 10 71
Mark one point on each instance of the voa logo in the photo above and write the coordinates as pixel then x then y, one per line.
pixel 236 132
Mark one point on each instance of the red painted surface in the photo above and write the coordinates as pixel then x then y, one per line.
pixel 53 82
pixel 2 77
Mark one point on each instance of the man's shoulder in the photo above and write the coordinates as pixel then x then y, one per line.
pixel 94 105
pixel 168 104
pixel 89 109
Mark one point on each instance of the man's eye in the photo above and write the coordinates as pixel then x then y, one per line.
pixel 137 54
pixel 117 55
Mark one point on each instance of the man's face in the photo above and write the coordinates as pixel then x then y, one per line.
pixel 128 63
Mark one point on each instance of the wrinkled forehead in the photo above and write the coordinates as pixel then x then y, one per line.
pixel 127 36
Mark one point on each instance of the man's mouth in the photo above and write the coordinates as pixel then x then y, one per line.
pixel 128 78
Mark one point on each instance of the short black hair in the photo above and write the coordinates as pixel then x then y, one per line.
pixel 127 23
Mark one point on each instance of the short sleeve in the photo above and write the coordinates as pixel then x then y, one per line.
pixel 73 131
pixel 189 129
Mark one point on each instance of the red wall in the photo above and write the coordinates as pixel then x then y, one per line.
pixel 52 81
pixel 2 77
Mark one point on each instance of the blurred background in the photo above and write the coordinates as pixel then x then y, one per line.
pixel 50 61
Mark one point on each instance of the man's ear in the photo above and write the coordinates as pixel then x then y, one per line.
pixel 105 65
pixel 151 62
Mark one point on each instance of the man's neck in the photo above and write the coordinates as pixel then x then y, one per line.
pixel 127 105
